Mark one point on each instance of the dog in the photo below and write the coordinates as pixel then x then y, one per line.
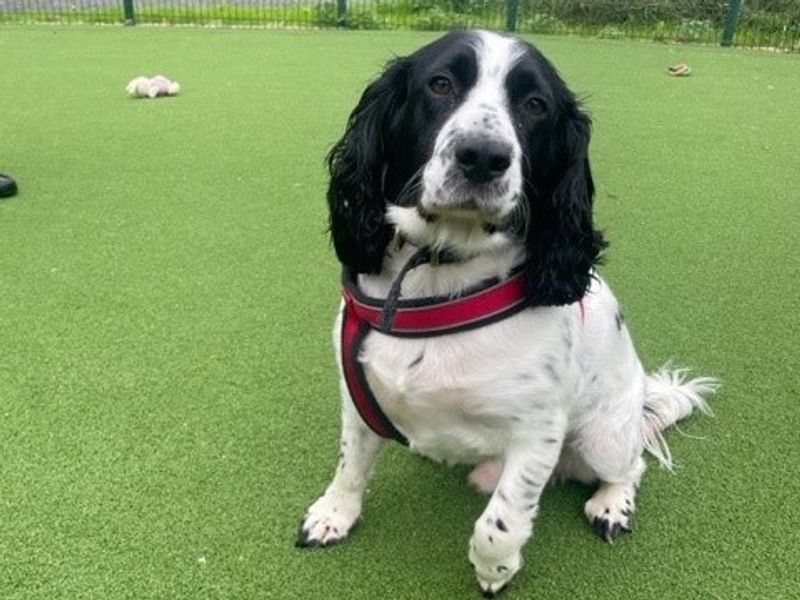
pixel 474 326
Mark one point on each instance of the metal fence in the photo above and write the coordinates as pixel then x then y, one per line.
pixel 773 24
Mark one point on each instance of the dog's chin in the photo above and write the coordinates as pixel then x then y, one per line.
pixel 464 213
pixel 490 203
pixel 464 228
pixel 471 210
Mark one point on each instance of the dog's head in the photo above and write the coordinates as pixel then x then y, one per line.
pixel 472 143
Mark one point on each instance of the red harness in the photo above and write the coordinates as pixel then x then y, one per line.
pixel 421 317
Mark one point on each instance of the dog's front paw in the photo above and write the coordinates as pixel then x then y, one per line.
pixel 495 566
pixel 327 521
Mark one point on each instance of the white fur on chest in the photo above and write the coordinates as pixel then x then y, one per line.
pixel 459 398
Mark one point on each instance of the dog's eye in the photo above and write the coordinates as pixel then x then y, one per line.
pixel 441 86
pixel 535 106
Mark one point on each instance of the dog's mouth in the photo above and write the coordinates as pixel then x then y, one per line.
pixel 467 214
pixel 492 209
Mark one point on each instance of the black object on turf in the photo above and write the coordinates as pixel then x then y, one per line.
pixel 8 187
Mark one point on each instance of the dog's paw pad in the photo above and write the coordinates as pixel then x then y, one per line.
pixel 494 570
pixel 492 590
pixel 610 511
pixel 609 529
pixel 325 525
pixel 318 534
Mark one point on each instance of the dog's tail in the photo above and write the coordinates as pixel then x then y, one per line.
pixel 671 397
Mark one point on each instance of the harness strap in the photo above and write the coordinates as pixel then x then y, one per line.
pixel 429 317
pixel 354 330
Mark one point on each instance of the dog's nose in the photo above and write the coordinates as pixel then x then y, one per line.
pixel 483 159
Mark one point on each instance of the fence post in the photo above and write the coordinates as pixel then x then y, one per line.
pixel 512 8
pixel 130 17
pixel 341 13
pixel 734 8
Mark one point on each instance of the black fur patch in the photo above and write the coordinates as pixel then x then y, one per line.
pixel 417 360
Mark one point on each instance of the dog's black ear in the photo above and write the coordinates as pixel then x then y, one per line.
pixel 358 164
pixel 562 244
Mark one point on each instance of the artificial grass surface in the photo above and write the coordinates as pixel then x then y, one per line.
pixel 168 398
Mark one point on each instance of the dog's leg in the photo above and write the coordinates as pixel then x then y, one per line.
pixel 333 515
pixel 507 522
pixel 611 447
pixel 610 510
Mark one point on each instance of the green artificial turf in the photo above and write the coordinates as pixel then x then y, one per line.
pixel 168 397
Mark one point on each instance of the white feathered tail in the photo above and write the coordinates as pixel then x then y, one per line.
pixel 671 397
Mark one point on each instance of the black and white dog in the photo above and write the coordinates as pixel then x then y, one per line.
pixel 463 166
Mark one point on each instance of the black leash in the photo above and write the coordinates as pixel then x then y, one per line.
pixel 420 257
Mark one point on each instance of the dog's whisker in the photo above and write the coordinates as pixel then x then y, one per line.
pixel 518 222
pixel 410 188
